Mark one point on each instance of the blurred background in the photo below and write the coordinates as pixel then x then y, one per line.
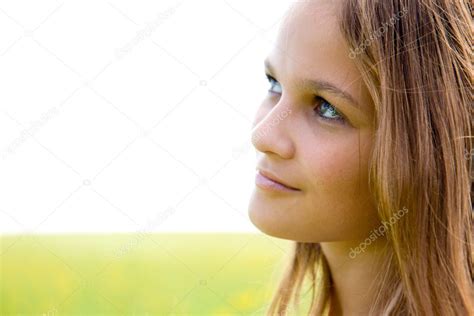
pixel 125 157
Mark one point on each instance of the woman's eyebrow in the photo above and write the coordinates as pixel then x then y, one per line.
pixel 319 85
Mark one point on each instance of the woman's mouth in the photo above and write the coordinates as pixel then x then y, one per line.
pixel 266 181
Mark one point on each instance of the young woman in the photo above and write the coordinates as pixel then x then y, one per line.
pixel 364 147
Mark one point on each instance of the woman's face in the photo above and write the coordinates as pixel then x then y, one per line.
pixel 309 134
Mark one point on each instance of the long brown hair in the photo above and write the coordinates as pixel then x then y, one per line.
pixel 415 57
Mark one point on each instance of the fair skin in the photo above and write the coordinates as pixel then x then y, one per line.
pixel 321 147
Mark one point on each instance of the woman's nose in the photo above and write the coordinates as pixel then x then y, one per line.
pixel 272 131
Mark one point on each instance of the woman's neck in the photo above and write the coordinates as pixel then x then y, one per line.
pixel 353 273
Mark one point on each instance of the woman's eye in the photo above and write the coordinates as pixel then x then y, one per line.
pixel 327 111
pixel 275 86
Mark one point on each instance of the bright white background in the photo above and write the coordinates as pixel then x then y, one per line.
pixel 128 116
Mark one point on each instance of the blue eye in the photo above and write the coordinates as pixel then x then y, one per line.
pixel 324 110
pixel 274 84
pixel 327 111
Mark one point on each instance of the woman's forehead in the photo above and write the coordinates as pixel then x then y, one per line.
pixel 307 40
pixel 310 33
pixel 310 45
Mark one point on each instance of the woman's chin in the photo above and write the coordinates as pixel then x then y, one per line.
pixel 270 217
pixel 260 214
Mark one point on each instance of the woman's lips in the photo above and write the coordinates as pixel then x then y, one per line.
pixel 268 182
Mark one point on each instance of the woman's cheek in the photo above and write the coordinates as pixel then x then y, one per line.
pixel 332 164
pixel 338 191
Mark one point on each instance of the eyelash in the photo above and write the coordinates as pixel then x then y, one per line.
pixel 339 119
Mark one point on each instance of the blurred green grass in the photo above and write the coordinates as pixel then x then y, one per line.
pixel 139 274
